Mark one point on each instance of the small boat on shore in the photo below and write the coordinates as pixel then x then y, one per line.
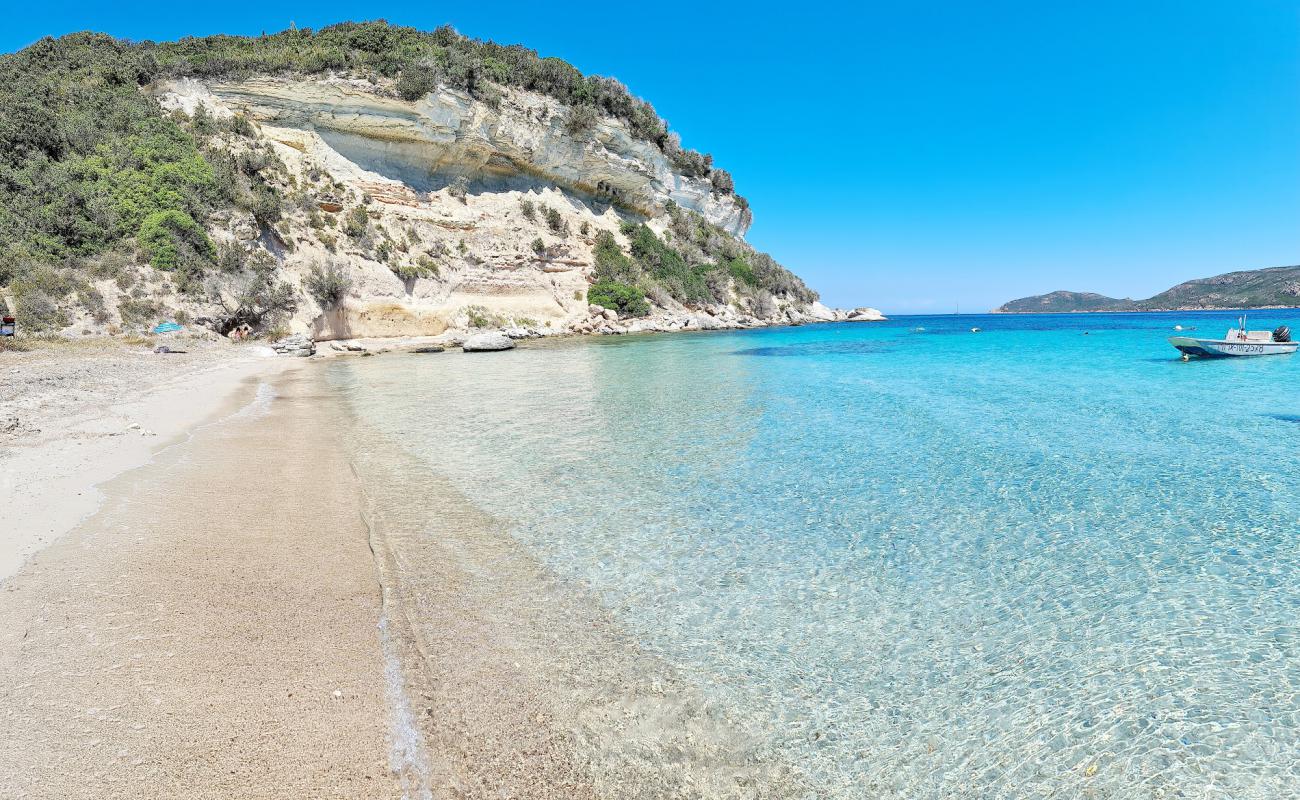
pixel 1237 342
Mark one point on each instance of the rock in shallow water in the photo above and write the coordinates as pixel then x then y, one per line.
pixel 487 342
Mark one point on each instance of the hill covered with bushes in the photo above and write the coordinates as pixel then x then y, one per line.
pixel 120 203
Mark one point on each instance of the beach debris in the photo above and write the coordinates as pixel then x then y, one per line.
pixel 487 342
pixel 299 344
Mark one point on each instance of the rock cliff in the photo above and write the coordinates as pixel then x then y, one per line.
pixel 527 140
pixel 446 213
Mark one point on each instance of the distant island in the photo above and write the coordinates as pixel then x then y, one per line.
pixel 1275 287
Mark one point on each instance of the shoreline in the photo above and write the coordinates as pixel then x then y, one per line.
pixel 82 429
pixel 521 683
pixel 257 611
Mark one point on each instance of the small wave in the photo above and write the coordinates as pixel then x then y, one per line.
pixel 405 755
pixel 259 406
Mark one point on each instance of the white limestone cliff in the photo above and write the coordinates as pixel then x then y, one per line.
pixel 346 145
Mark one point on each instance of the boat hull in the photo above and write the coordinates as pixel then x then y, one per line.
pixel 1222 348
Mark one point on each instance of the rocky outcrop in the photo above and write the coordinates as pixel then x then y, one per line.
pixel 426 144
pixel 299 344
pixel 487 342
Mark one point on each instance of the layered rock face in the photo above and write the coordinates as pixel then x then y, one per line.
pixel 526 141
pixel 372 190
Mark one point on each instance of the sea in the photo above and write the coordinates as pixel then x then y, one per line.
pixel 910 559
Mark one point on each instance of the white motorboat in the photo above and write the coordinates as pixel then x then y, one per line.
pixel 1237 342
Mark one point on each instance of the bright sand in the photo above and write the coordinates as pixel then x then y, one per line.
pixel 211 632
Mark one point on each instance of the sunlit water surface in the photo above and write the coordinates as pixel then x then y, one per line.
pixel 1027 562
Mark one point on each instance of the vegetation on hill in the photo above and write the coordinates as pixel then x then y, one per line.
pixel 696 263
pixel 1062 302
pixel 420 61
pixel 95 178
pixel 90 169
pixel 1257 288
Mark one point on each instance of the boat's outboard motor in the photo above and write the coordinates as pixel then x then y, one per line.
pixel 1282 334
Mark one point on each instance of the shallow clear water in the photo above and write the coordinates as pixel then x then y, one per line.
pixel 1027 562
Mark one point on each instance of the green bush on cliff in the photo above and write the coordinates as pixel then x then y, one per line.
pixel 327 286
pixel 611 262
pixel 628 301
pixel 89 164
pixel 170 239
pixel 668 269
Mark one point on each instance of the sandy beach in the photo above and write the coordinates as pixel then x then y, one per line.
pixel 75 414
pixel 212 629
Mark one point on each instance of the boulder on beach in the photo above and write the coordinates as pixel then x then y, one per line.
pixel 487 342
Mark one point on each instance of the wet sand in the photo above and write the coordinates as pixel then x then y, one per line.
pixel 211 632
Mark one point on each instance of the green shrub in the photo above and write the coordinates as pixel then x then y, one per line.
pixel 423 267
pixel 416 81
pixel 611 263
pixel 539 247
pixel 169 240
pixel 722 182
pixel 427 265
pixel 668 269
pixel 582 119
pixel 138 313
pixel 357 222
pixel 528 209
pixel 480 317
pixel 255 297
pixel 38 312
pixel 739 269
pixel 627 300
pixel 240 125
pixel 327 286
pixel 556 222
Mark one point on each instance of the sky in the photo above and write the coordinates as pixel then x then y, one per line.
pixel 920 156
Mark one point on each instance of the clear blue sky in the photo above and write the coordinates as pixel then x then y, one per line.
pixel 916 155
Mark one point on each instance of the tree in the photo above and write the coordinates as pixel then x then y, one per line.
pixel 327 286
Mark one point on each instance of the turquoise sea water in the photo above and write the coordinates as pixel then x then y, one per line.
pixel 1027 562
